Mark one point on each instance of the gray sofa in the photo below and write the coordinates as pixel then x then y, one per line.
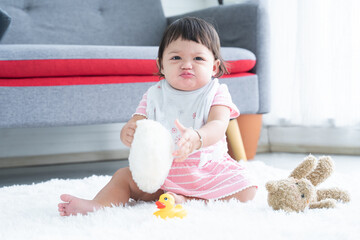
pixel 80 62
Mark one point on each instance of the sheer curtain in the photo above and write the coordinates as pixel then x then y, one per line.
pixel 315 63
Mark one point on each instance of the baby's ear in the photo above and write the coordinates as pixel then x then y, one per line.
pixel 158 64
pixel 271 186
pixel 216 67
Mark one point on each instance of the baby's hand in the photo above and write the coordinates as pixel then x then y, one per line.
pixel 127 133
pixel 188 142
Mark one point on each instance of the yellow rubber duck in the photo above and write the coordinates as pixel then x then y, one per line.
pixel 167 207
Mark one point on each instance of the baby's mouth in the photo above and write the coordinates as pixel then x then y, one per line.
pixel 187 75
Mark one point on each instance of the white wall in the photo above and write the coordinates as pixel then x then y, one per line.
pixel 172 7
pixel 176 7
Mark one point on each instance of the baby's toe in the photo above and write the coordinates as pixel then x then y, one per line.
pixel 62 205
pixel 66 197
pixel 63 214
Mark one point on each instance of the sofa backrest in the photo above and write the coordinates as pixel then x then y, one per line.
pixel 4 22
pixel 85 22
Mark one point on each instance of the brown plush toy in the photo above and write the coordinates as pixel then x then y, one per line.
pixel 298 191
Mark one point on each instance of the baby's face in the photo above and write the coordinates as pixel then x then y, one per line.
pixel 188 65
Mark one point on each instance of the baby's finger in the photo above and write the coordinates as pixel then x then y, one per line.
pixel 132 126
pixel 182 142
pixel 177 153
pixel 186 136
pixel 180 126
pixel 183 151
pixel 127 142
pixel 130 132
pixel 179 156
pixel 180 159
pixel 130 138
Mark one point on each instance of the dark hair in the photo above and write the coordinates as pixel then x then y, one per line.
pixel 193 29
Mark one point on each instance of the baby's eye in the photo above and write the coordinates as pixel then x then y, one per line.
pixel 175 58
pixel 199 59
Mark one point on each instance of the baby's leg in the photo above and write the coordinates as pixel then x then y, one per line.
pixel 121 188
pixel 244 195
pixel 117 192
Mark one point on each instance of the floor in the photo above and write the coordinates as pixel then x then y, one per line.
pixel 30 175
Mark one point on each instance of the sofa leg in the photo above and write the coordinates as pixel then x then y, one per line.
pixel 250 126
pixel 237 150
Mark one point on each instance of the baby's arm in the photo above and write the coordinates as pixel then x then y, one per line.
pixel 215 128
pixel 127 132
pixel 213 131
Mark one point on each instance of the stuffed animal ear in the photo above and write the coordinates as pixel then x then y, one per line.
pixel 323 170
pixel 304 168
pixel 271 186
pixel 150 156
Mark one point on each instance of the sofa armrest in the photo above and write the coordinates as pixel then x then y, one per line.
pixel 243 25
pixel 4 23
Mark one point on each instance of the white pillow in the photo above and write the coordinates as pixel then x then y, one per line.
pixel 150 156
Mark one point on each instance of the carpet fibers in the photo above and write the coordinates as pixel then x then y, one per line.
pixel 30 212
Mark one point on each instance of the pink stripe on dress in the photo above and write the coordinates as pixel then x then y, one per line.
pixel 141 109
pixel 214 181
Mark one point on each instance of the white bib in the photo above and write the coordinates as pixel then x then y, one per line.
pixel 165 104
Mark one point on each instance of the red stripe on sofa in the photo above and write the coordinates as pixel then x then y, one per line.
pixel 92 67
pixel 240 66
pixel 76 67
pixel 77 80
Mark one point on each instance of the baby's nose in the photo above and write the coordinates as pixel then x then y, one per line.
pixel 186 65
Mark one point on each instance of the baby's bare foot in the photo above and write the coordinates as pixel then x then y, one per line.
pixel 73 205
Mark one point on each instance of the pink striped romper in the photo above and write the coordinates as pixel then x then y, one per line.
pixel 209 173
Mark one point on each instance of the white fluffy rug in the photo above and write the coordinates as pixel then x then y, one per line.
pixel 30 212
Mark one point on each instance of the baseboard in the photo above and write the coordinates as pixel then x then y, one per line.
pixel 63 158
pixel 310 140
pixel 56 145
pixel 263 143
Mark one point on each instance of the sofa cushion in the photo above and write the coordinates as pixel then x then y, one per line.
pixel 4 23
pixel 93 104
pixel 93 22
pixel 60 61
pixel 240 60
